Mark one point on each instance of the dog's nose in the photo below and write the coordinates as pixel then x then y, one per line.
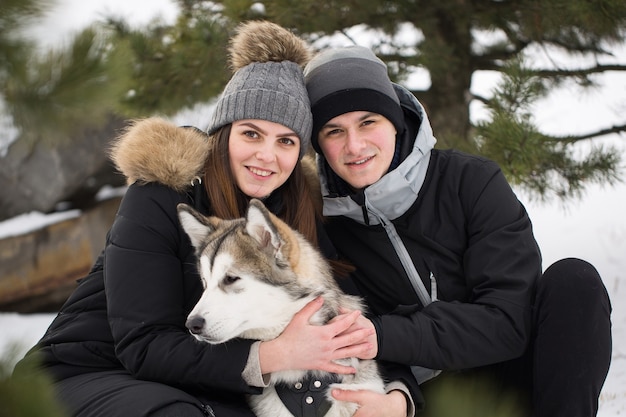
pixel 195 324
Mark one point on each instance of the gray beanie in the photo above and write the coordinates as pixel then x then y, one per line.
pixel 268 82
pixel 342 80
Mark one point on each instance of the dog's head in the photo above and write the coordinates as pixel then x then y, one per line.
pixel 253 273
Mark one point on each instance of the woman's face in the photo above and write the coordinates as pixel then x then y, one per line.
pixel 262 155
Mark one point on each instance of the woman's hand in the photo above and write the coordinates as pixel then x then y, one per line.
pixel 373 404
pixel 303 346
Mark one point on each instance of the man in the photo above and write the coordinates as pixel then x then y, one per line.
pixel 445 253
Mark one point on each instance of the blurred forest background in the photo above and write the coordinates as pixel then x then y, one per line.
pixel 59 107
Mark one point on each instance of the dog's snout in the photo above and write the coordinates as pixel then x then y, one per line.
pixel 195 324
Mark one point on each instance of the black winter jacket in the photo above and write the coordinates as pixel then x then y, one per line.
pixel 467 235
pixel 130 311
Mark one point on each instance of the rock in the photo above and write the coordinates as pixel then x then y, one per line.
pixel 39 269
pixel 37 176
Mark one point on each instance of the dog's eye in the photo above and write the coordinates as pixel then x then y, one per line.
pixel 229 279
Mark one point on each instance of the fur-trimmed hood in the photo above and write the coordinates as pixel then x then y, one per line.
pixel 156 150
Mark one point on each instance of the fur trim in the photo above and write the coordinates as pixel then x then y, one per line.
pixel 156 150
pixel 263 41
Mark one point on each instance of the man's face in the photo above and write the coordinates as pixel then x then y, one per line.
pixel 358 146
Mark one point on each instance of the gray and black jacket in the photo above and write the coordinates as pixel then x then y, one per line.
pixel 451 220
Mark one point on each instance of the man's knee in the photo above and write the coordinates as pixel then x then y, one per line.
pixel 573 276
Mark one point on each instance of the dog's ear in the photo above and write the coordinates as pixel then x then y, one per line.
pixel 194 224
pixel 259 225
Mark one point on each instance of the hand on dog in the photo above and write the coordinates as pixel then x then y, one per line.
pixel 303 346
pixel 362 324
pixel 373 404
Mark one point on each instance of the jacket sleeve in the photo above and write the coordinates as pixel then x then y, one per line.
pixel 395 373
pixel 150 279
pixel 499 264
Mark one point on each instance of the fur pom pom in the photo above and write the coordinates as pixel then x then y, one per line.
pixel 263 41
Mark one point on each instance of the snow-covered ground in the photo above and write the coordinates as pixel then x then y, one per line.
pixel 594 230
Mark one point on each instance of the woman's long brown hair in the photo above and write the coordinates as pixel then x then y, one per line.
pixel 229 202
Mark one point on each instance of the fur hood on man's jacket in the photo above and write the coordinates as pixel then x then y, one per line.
pixel 157 150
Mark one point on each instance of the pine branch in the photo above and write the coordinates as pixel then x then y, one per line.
pixel 581 71
pixel 592 135
pixel 558 73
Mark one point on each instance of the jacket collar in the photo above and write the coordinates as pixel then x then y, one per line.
pixel 397 190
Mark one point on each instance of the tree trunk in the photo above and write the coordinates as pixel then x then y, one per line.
pixel 447 49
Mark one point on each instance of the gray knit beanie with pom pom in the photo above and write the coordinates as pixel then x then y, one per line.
pixel 347 79
pixel 268 82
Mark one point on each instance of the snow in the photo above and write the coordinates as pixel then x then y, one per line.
pixel 28 222
pixel 593 228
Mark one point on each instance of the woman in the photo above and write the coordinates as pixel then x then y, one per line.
pixel 119 346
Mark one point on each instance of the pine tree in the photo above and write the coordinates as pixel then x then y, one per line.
pixel 160 69
pixel 174 67
pixel 55 93
pixel 455 39
pixel 29 394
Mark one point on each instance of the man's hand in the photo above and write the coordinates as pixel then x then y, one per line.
pixel 373 404
pixel 363 324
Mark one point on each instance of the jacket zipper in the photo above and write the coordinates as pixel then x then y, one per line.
pixel 405 259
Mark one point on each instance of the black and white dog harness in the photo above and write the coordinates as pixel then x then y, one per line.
pixel 307 398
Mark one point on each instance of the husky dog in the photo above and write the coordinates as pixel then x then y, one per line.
pixel 257 273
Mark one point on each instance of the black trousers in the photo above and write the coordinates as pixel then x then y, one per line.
pixel 117 394
pixel 564 368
